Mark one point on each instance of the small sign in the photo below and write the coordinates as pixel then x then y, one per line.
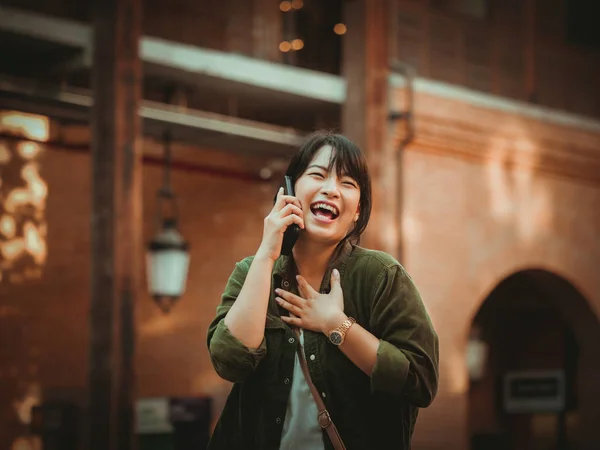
pixel 534 391
pixel 153 416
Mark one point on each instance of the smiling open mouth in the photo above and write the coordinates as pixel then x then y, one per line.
pixel 324 211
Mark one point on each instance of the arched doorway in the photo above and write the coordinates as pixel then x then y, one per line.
pixel 534 364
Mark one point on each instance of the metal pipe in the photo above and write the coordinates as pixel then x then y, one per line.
pixel 409 73
pixel 406 115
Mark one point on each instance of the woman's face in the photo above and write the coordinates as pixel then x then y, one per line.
pixel 330 203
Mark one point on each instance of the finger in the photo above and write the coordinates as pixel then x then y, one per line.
pixel 294 321
pixel 290 199
pixel 305 288
pixel 293 218
pixel 291 208
pixel 283 200
pixel 289 306
pixel 335 280
pixel 291 298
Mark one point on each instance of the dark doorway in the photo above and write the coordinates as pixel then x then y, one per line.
pixel 537 339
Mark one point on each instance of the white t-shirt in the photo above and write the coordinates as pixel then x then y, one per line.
pixel 301 429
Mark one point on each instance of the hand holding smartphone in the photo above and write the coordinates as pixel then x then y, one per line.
pixel 290 235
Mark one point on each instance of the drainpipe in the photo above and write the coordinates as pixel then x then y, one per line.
pixel 406 115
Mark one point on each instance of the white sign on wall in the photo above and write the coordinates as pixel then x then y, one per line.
pixel 153 416
pixel 534 391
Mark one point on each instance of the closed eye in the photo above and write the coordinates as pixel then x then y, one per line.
pixel 317 174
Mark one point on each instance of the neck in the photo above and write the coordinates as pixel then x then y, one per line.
pixel 311 259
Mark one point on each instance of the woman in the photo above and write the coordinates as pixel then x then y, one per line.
pixel 370 347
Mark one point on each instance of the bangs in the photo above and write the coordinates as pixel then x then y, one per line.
pixel 346 162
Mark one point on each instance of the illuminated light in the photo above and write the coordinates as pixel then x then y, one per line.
pixel 17 197
pixel 5 155
pixel 28 125
pixel 34 194
pixel 285 46
pixel 23 227
pixel 8 226
pixel 340 29
pixel 24 406
pixel 285 6
pixel 34 244
pixel 29 150
pixel 37 186
pixel 297 4
pixel 297 44
pixel 12 249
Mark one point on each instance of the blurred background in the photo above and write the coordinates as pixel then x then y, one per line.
pixel 141 144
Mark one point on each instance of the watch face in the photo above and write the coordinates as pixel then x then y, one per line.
pixel 335 337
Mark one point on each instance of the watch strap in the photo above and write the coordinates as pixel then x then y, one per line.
pixel 343 328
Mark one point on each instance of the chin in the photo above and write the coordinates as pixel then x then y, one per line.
pixel 323 238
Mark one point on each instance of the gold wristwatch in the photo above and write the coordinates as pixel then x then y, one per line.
pixel 337 335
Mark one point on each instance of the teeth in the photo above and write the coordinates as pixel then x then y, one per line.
pixel 327 207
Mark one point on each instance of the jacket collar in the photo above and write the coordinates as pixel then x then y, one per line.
pixel 285 267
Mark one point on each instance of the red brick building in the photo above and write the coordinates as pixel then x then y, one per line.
pixel 493 206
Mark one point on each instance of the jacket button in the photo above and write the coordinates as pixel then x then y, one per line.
pixel 291 340
pixel 278 420
pixel 313 357
pixel 286 381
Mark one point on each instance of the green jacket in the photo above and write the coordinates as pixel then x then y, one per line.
pixel 370 412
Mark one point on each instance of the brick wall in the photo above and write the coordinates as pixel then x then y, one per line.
pixel 44 322
pixel 508 52
pixel 472 218
pixel 483 202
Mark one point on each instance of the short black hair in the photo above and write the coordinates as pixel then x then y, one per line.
pixel 348 160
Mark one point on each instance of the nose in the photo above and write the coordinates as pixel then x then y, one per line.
pixel 330 187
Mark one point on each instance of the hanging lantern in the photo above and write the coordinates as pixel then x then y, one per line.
pixel 167 257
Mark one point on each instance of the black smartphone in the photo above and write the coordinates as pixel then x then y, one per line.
pixel 290 235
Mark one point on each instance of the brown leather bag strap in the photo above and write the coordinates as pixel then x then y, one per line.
pixel 324 418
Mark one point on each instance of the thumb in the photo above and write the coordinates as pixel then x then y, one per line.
pixel 335 280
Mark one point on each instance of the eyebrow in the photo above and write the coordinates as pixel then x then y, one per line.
pixel 318 167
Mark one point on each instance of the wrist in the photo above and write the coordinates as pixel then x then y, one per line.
pixel 264 256
pixel 334 322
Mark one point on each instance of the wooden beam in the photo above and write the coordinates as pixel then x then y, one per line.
pixel 365 112
pixel 116 222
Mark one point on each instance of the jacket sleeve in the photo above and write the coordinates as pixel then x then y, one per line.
pixel 408 354
pixel 232 360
